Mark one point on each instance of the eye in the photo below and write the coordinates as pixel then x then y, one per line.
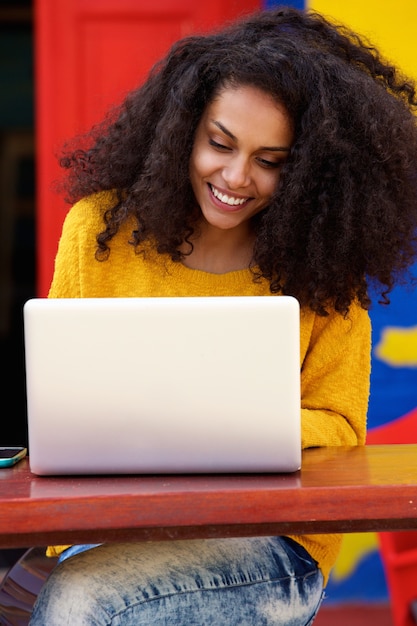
pixel 218 146
pixel 270 164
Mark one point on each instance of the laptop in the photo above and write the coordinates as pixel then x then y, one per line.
pixel 163 385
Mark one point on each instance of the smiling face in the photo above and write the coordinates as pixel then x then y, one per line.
pixel 241 143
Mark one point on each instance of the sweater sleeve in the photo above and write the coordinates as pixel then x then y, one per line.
pixel 65 282
pixel 335 380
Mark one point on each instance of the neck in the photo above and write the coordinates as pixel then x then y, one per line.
pixel 219 251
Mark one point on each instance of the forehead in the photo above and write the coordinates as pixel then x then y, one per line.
pixel 247 109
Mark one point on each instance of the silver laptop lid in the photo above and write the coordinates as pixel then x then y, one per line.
pixel 163 385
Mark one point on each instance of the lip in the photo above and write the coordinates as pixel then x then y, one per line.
pixel 229 208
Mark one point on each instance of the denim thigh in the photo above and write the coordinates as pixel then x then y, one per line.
pixel 262 581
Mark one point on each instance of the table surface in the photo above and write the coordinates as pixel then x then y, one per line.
pixel 348 489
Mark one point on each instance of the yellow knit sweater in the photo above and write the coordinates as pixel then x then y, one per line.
pixel 335 352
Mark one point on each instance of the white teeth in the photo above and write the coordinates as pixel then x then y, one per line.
pixel 227 199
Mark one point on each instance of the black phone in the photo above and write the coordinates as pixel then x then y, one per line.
pixel 11 455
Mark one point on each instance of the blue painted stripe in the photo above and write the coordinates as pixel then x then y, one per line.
pixel 297 4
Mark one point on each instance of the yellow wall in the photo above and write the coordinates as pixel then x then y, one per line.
pixel 390 25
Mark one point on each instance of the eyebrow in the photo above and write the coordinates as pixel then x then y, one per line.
pixel 227 132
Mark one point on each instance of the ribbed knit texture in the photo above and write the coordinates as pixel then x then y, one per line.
pixel 334 352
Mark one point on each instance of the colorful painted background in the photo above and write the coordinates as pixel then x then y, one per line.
pixel 392 27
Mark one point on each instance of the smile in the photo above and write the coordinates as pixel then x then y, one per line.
pixel 226 199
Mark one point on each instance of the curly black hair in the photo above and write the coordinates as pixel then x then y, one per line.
pixel 343 217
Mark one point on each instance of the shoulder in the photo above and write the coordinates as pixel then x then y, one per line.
pixel 334 321
pixel 335 330
pixel 89 212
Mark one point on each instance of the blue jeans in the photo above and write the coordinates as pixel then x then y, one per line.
pixel 259 581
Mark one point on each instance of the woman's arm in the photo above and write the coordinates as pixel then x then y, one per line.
pixel 335 378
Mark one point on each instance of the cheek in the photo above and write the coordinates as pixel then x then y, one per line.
pixel 203 165
pixel 267 184
pixel 198 171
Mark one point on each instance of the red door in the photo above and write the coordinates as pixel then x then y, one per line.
pixel 88 53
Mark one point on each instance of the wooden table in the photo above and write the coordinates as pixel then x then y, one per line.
pixel 370 488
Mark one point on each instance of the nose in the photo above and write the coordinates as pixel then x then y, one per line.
pixel 236 173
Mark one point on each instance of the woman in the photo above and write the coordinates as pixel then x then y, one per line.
pixel 276 156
